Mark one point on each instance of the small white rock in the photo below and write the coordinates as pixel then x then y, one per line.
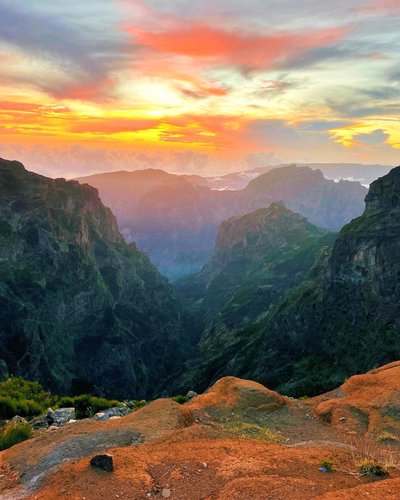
pixel 166 493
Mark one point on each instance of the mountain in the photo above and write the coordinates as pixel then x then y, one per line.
pixel 80 309
pixel 172 218
pixel 359 172
pixel 323 202
pixel 342 319
pixel 175 220
pixel 365 174
pixel 257 258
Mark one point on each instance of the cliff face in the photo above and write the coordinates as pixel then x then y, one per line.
pixel 79 308
pixel 347 319
pixel 342 319
pixel 258 259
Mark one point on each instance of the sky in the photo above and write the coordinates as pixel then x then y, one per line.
pixel 206 87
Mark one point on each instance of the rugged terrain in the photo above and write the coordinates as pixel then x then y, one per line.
pixel 238 440
pixel 340 320
pixel 175 218
pixel 257 258
pixel 80 310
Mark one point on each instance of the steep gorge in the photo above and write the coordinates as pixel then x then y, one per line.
pixel 80 310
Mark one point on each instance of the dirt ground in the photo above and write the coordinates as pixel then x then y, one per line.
pixel 237 441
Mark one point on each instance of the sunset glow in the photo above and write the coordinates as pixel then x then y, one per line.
pixel 133 83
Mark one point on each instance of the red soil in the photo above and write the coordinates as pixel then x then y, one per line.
pixel 202 450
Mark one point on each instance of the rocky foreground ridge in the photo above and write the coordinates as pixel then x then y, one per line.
pixel 80 310
pixel 237 440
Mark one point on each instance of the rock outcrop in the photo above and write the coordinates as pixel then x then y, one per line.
pixel 237 440
pixel 367 404
pixel 80 310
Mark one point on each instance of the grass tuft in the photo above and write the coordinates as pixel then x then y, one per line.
pixel 14 433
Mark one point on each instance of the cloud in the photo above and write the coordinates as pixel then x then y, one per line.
pixel 114 125
pixel 373 138
pixel 218 46
pixel 381 7
pixel 262 159
pixel 83 56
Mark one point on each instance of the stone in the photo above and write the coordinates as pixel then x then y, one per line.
pixel 60 416
pixel 191 394
pixel 117 411
pixel 103 462
pixel 19 420
pixel 40 422
pixel 166 493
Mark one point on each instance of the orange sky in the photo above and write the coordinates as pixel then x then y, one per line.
pixel 222 85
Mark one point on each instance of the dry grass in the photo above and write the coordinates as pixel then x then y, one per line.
pixel 371 451
pixel 387 437
pixel 253 431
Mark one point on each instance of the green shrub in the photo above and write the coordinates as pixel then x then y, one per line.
pixel 29 408
pixel 8 408
pixel 372 468
pixel 66 402
pixel 180 399
pixel 23 397
pixel 18 388
pixel 327 465
pixel 28 399
pixel 14 433
pixel 387 437
pixel 86 406
pixel 136 404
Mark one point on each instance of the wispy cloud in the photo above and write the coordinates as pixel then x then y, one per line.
pixel 301 80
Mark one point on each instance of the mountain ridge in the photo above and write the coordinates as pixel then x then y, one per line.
pixel 176 222
pixel 342 319
pixel 80 308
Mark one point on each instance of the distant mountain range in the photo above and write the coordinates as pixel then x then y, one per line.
pixel 365 174
pixel 174 219
pixel 281 299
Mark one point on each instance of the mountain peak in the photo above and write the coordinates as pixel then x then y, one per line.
pixel 273 222
pixel 384 193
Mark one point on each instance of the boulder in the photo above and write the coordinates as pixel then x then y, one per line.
pixel 19 420
pixel 103 462
pixel 60 416
pixel 40 422
pixel 117 411
pixel 191 394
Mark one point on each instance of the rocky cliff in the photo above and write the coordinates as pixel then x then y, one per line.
pixel 342 319
pixel 258 259
pixel 80 310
